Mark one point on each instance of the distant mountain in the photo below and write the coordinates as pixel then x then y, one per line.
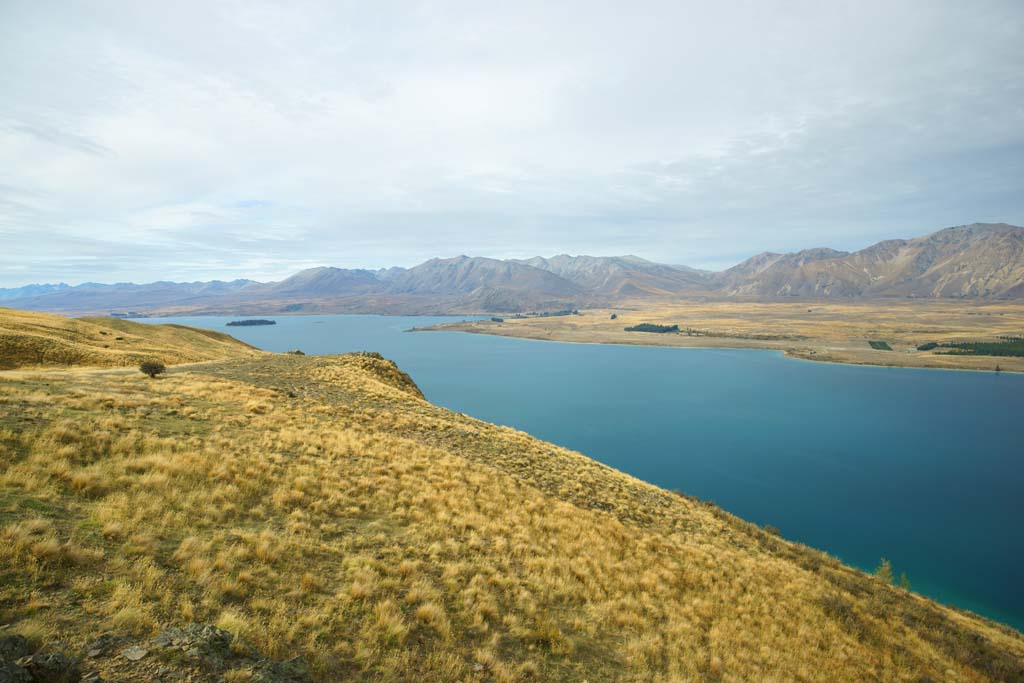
pixel 975 261
pixel 768 271
pixel 96 297
pixel 489 284
pixel 29 291
pixel 388 273
pixel 621 276
pixel 321 282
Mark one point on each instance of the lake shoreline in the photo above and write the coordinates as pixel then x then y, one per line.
pixel 828 356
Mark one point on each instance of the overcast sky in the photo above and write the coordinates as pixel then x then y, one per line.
pixel 197 140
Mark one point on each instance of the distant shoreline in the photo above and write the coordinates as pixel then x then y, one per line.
pixel 814 350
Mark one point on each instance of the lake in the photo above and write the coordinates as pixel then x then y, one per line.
pixel 923 467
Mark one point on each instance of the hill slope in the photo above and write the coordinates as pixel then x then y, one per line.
pixel 319 507
pixel 39 339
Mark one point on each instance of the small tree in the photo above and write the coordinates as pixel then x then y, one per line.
pixel 883 572
pixel 904 581
pixel 152 368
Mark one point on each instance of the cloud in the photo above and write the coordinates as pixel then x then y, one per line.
pixel 200 139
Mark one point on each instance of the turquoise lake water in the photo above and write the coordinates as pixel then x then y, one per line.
pixel 924 467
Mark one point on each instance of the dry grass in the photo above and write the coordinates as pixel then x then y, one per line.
pixel 39 339
pixel 387 539
pixel 815 330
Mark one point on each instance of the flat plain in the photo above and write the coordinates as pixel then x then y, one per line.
pixel 831 331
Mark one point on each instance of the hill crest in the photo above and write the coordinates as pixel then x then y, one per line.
pixel 29 339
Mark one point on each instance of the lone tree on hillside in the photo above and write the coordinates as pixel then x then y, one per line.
pixel 884 571
pixel 152 368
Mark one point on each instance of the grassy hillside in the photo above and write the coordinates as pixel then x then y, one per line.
pixel 41 339
pixel 319 507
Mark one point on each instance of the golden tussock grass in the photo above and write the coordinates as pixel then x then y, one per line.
pixel 29 339
pixel 320 506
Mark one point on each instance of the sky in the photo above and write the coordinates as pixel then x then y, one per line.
pixel 184 140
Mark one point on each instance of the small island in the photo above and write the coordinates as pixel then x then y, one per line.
pixel 251 323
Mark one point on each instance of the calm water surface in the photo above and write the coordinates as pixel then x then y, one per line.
pixel 923 467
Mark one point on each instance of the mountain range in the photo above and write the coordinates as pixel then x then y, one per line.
pixel 978 261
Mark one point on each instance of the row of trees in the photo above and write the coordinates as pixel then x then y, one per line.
pixel 652 327
pixel 884 573
pixel 1007 346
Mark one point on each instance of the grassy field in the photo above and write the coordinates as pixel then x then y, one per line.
pixel 30 339
pixel 839 332
pixel 318 506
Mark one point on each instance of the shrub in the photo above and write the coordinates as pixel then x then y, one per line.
pixel 880 345
pixel 615 316
pixel 152 368
pixel 928 347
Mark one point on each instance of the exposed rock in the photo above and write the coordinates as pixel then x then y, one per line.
pixel 12 673
pixel 213 650
pixel 13 647
pixel 102 645
pixel 134 653
pixel 198 640
pixel 52 667
pixel 294 670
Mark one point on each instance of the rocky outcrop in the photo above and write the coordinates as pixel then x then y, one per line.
pixel 200 653
pixel 19 665
pixel 383 370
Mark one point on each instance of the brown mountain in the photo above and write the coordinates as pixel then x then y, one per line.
pixel 622 276
pixel 973 261
pixel 320 282
pixel 487 284
pixel 978 261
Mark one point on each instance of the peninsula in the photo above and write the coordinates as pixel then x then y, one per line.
pixel 906 333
